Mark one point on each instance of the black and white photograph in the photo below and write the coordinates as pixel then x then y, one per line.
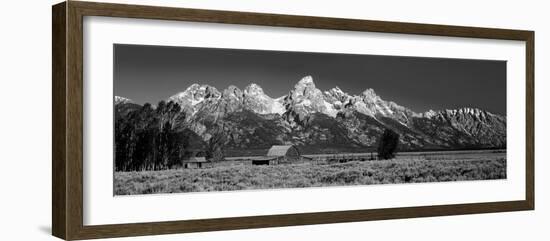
pixel 190 119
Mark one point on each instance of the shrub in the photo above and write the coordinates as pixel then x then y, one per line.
pixel 226 178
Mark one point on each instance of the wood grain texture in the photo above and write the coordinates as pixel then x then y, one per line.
pixel 67 79
pixel 59 193
pixel 280 20
pixel 74 121
pixel 138 229
pixel 530 120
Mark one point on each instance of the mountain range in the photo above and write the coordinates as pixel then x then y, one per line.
pixel 325 121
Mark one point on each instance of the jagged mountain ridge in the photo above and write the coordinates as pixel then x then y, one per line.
pixel 331 120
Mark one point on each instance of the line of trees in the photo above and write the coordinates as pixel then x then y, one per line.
pixel 150 138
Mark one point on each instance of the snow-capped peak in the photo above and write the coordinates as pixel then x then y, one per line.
pixel 369 103
pixel 337 90
pixel 306 87
pixel 429 114
pixel 468 111
pixel 465 112
pixel 335 95
pixel 232 92
pixel 370 94
pixel 192 87
pixel 194 95
pixel 256 100
pixel 122 100
pixel 306 98
pixel 306 80
pixel 253 89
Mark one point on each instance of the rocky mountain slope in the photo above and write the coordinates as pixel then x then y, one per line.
pixel 329 121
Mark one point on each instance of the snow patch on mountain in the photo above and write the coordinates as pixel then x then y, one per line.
pixel 256 100
pixel 278 107
pixel 122 100
pixel 195 94
pixel 329 109
pixel 305 99
pixel 192 98
pixel 428 114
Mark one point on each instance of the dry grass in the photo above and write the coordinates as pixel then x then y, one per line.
pixel 246 177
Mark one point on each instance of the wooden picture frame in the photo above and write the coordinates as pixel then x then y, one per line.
pixel 67 124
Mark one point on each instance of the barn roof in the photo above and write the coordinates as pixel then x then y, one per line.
pixel 279 150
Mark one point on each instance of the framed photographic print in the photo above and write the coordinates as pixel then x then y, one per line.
pixel 171 120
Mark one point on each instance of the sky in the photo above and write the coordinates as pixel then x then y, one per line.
pixel 154 73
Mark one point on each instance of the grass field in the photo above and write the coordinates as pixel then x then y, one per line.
pixel 247 177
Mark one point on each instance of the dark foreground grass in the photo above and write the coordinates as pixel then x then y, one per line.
pixel 246 177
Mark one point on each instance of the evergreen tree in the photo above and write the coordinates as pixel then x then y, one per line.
pixel 387 144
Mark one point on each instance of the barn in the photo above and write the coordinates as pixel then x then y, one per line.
pixel 265 160
pixel 279 154
pixel 196 162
